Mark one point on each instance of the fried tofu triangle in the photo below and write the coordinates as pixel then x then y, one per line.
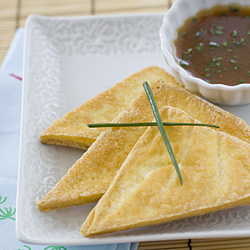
pixel 71 130
pixel 91 175
pixel 146 190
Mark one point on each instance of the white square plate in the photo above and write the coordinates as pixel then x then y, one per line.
pixel 66 62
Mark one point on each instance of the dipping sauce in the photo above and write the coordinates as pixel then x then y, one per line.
pixel 215 45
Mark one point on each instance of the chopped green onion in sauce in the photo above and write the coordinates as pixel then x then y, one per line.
pixel 215 43
pixel 183 64
pixel 199 47
pixel 234 9
pixel 234 33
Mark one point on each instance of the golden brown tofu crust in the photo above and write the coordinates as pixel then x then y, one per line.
pixel 91 175
pixel 72 130
pixel 215 168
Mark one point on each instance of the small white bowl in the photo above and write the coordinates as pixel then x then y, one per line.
pixel 173 19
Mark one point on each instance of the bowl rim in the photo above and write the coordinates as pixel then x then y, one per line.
pixel 171 59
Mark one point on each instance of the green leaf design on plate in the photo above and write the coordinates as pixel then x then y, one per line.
pixel 2 201
pixel 55 248
pixel 7 214
pixel 27 247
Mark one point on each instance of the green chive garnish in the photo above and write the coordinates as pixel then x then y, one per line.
pixel 218 30
pixel 233 62
pixel 211 63
pixel 241 81
pixel 183 33
pixel 237 43
pixel 229 50
pixel 183 64
pixel 225 44
pixel 234 9
pixel 234 33
pixel 247 17
pixel 144 124
pixel 218 64
pixel 213 45
pixel 206 69
pixel 195 20
pixel 248 73
pixel 161 127
pixel 207 75
pixel 197 33
pixel 187 54
pixel 199 47
pixel 189 51
pixel 248 33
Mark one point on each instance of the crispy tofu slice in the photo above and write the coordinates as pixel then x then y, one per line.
pixel 91 175
pixel 146 190
pixel 72 130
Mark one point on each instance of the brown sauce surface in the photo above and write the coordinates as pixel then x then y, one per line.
pixel 215 45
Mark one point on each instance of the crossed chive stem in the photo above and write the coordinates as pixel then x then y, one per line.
pixel 161 127
pixel 158 123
